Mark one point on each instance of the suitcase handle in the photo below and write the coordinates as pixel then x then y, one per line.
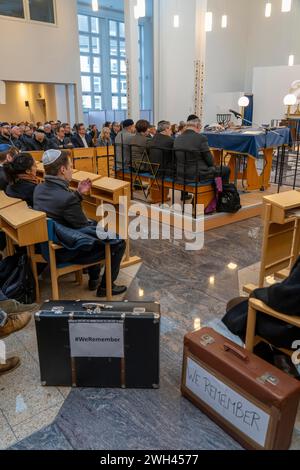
pixel 232 349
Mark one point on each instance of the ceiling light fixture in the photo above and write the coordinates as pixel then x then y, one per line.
pixel 286 6
pixel 291 60
pixel 208 21
pixel 95 6
pixel 268 11
pixel 224 22
pixel 176 21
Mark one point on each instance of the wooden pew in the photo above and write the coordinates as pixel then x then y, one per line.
pixel 84 159
pixel 205 194
pixel 105 161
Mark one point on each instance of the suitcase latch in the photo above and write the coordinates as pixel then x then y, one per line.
pixel 139 311
pixel 58 310
pixel 268 379
pixel 96 308
pixel 206 340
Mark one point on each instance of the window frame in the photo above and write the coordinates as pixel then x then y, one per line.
pixel 106 76
pixel 92 55
pixel 27 18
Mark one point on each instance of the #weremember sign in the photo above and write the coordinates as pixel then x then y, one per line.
pixel 96 339
pixel 236 409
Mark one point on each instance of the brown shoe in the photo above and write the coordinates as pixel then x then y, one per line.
pixel 12 306
pixel 15 322
pixel 234 302
pixel 11 364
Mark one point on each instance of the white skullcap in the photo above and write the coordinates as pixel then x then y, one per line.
pixel 50 157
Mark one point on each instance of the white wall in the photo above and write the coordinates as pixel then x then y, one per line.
pixel 225 58
pixel 271 40
pixel 36 52
pixel 251 56
pixel 270 85
pixel 175 52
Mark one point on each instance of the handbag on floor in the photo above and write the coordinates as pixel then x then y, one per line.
pixel 229 200
pixel 18 283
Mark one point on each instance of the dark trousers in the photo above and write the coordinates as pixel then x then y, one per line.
pixel 2 296
pixel 224 172
pixel 117 253
pixel 2 241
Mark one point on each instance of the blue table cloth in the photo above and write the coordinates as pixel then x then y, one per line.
pixel 242 142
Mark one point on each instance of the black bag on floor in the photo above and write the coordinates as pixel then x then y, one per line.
pixel 229 200
pixel 19 282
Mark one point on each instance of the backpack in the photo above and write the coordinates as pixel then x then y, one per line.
pixel 229 200
pixel 19 283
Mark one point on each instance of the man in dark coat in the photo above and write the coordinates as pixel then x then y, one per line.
pixel 162 140
pixel 64 207
pixel 5 137
pixel 81 139
pixel 196 161
pixel 59 141
pixel 284 298
pixel 38 142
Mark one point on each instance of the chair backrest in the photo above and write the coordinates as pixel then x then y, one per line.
pixel 50 226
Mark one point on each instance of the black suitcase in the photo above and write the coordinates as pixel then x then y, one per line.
pixel 65 328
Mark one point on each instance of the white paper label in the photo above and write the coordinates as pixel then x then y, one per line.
pixel 96 339
pixel 236 409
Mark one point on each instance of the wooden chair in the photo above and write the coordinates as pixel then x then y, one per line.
pixel 255 306
pixel 59 270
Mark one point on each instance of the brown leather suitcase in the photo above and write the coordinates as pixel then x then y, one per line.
pixel 253 401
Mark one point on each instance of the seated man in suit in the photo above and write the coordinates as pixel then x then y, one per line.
pixel 81 139
pixel 59 141
pixel 64 207
pixel 195 160
pixel 162 140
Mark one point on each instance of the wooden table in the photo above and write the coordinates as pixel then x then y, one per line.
pixel 248 144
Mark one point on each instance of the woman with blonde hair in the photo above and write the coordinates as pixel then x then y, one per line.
pixel 105 138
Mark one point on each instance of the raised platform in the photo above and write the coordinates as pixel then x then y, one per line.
pixel 252 206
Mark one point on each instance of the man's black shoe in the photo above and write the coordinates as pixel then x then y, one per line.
pixel 93 284
pixel 116 290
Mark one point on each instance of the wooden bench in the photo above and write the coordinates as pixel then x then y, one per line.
pixel 205 193
pixel 105 161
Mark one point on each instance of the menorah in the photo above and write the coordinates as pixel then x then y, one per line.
pixel 223 119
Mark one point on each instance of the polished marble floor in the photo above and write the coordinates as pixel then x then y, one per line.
pixel 193 289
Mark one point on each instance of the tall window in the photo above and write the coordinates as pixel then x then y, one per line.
pixel 103 63
pixel 146 62
pixel 90 62
pixel 35 10
pixel 117 65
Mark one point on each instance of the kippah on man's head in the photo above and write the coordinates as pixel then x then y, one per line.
pixel 128 123
pixel 192 117
pixel 50 156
